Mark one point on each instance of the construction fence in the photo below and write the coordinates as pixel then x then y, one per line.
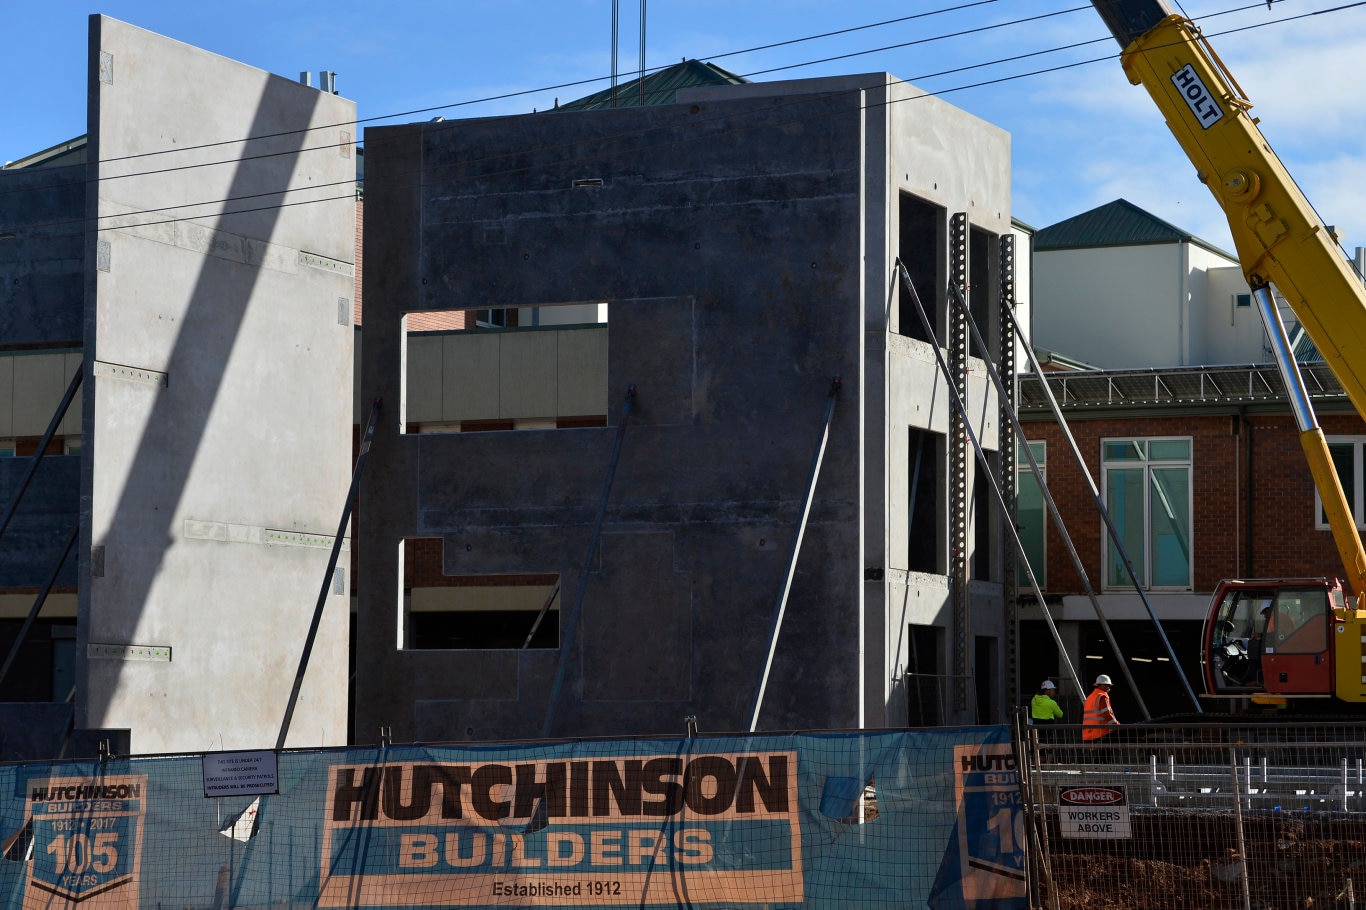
pixel 918 818
pixel 1210 815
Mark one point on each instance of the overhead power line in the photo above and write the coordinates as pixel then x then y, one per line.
pixel 46 227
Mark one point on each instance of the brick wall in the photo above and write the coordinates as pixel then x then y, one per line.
pixel 1279 496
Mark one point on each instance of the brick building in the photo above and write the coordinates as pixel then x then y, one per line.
pixel 1202 471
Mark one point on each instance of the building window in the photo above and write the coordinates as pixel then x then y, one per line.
pixel 1349 455
pixel 473 612
pixel 1148 493
pixel 1031 520
pixel 1242 300
pixel 495 319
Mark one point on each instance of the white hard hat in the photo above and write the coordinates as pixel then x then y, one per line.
pixel 1048 684
pixel 1103 680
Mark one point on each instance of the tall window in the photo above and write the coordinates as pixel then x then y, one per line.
pixel 1030 517
pixel 1148 494
pixel 1348 459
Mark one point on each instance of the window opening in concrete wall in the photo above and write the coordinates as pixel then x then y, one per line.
pixel 924 532
pixel 983 511
pixel 44 669
pixel 982 248
pixel 474 612
pixel 985 678
pixel 525 368
pixel 926 691
pixel 922 244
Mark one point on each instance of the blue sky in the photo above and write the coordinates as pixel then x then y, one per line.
pixel 1081 136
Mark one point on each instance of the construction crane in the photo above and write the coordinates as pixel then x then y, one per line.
pixel 1288 640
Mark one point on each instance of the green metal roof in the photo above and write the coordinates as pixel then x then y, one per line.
pixel 659 87
pixel 60 155
pixel 1118 223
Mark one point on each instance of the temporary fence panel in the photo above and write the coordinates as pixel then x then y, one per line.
pixel 1213 814
pixel 895 819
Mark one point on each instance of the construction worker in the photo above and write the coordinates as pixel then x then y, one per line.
pixel 1098 716
pixel 1043 710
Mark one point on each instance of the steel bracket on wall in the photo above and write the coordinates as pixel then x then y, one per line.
pixel 958 464
pixel 1006 454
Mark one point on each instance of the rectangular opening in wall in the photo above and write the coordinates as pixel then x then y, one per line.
pixel 44 668
pixel 983 509
pixel 519 368
pixel 473 612
pixel 985 678
pixel 925 469
pixel 926 693
pixel 982 293
pixel 922 244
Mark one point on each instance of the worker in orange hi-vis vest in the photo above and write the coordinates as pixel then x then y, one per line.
pixel 1098 716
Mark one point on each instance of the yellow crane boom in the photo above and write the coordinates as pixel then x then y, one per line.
pixel 1278 237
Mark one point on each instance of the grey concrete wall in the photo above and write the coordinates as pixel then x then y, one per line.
pixel 218 401
pixel 948 157
pixel 41 265
pixel 744 240
pixel 38 532
pixel 41 288
pixel 726 237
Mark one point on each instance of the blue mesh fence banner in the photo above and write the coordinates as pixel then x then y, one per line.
pixel 894 819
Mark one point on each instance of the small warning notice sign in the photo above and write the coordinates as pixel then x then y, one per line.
pixel 1100 813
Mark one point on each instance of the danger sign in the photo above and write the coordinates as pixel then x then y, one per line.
pixel 1099 813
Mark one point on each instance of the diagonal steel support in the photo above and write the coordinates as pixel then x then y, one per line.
pixel 1101 507
pixel 571 621
pixel 540 617
pixel 961 407
pixel 365 442
pixel 1053 510
pixel 780 608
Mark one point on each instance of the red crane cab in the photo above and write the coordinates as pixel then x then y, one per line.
pixel 1276 639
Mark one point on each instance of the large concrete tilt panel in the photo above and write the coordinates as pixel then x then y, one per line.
pixel 743 242
pixel 41 262
pixel 217 418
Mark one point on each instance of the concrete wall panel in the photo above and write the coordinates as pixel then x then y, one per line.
pixel 527 368
pixel 40 382
pixel 71 423
pixel 470 377
pixel 7 397
pixel 731 236
pixel 423 383
pixel 218 412
pixel 638 587
pixel 38 532
pixel 41 266
pixel 581 380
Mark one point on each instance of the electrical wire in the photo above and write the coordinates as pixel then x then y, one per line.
pixel 597 139
pixel 562 85
pixel 353 123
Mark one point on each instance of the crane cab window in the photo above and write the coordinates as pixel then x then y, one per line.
pixel 1298 624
